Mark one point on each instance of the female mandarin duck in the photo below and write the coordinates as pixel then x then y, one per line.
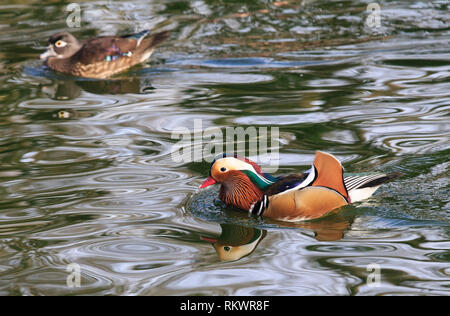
pixel 99 57
pixel 295 197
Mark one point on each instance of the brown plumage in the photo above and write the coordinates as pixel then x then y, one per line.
pixel 99 57
pixel 308 203
pixel 237 191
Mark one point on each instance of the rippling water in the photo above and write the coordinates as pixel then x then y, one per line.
pixel 87 176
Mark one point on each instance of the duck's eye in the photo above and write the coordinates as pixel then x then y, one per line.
pixel 60 43
pixel 226 248
pixel 223 169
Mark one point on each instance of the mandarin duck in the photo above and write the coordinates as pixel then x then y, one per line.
pixel 236 241
pixel 99 57
pixel 296 197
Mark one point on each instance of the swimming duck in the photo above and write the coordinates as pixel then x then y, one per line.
pixel 236 241
pixel 296 197
pixel 99 57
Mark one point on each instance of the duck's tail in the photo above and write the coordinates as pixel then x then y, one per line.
pixel 155 40
pixel 146 45
pixel 362 187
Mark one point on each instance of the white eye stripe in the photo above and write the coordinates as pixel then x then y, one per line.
pixel 231 163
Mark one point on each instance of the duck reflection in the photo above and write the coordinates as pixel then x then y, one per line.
pixel 62 90
pixel 236 241
pixel 331 228
pixel 65 114
pixel 71 89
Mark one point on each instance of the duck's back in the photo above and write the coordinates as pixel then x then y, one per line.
pixel 100 48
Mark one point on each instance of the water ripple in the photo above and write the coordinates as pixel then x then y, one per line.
pixel 87 177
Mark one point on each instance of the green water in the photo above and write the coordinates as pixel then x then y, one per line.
pixel 87 176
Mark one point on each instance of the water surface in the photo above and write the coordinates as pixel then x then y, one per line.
pixel 87 176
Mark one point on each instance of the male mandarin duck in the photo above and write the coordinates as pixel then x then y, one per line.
pixel 236 241
pixel 99 57
pixel 295 197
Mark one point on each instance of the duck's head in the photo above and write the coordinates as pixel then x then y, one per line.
pixel 226 166
pixel 61 45
pixel 242 180
pixel 233 253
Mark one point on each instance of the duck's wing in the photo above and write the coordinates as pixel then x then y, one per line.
pixel 326 171
pixel 104 48
pixel 320 192
pixel 329 173
pixel 286 183
pixel 110 48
